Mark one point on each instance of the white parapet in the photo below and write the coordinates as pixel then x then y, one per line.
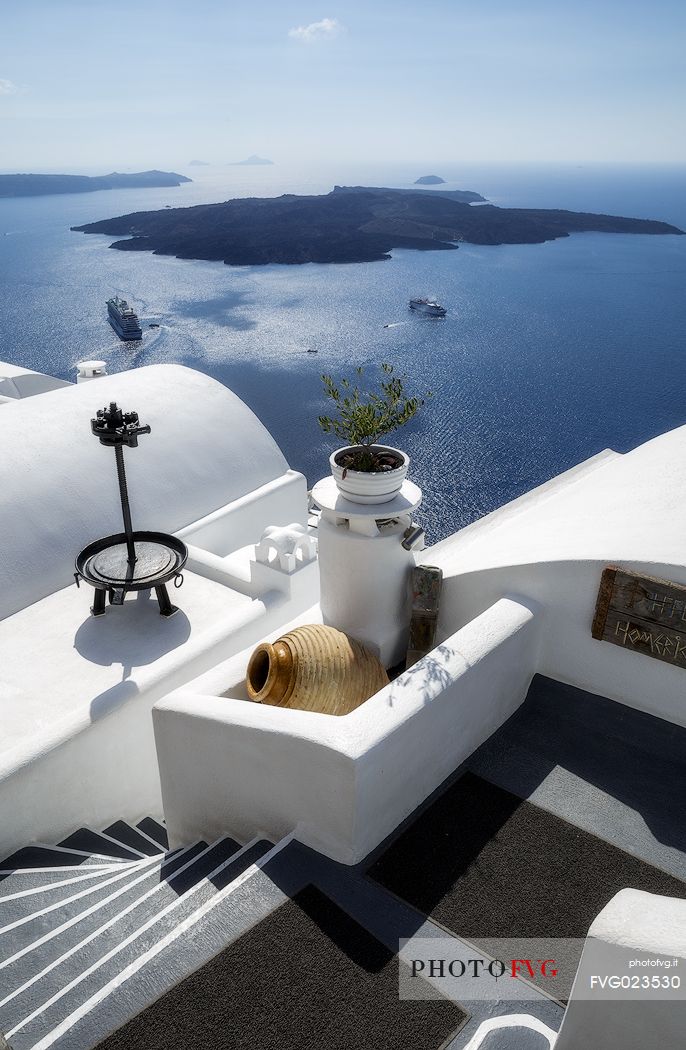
pixel 630 988
pixel 342 784
pixel 17 384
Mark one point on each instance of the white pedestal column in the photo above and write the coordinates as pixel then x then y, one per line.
pixel 364 568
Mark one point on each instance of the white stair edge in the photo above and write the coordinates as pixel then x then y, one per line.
pixel 151 952
pixel 509 1021
pixel 144 868
pixel 120 915
pixel 68 867
pixel 92 873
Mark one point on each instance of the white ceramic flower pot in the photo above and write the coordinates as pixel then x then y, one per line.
pixel 361 486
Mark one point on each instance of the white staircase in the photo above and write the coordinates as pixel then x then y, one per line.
pixel 74 917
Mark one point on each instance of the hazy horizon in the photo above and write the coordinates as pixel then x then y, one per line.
pixel 412 167
pixel 446 83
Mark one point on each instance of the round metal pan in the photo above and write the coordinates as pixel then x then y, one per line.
pixel 103 563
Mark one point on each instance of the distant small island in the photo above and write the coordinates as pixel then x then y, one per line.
pixel 38 185
pixel 253 159
pixel 198 164
pixel 429 180
pixel 350 224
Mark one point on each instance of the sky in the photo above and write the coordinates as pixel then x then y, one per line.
pixel 91 86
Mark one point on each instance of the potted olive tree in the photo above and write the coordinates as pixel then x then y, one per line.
pixel 364 470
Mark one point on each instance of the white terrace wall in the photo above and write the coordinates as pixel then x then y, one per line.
pixel 279 502
pixel 341 784
pixel 567 591
pixel 553 544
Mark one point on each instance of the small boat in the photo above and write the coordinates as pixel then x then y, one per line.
pixel 312 351
pixel 123 319
pixel 427 306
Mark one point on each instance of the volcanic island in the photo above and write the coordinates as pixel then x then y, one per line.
pixel 349 224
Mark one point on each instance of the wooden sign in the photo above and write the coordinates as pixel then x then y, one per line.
pixel 641 613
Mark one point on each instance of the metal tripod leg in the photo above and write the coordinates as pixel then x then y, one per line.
pixel 166 607
pixel 98 606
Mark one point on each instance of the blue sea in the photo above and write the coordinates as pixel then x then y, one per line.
pixel 549 352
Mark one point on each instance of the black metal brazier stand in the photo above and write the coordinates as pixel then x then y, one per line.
pixel 128 561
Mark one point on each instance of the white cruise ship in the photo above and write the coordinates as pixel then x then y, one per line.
pixel 123 319
pixel 488 852
pixel 428 306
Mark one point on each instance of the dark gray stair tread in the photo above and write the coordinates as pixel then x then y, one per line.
pixel 184 906
pixel 92 842
pixel 155 830
pixel 132 837
pixel 241 864
pixel 46 857
pixel 17 973
pixel 215 856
